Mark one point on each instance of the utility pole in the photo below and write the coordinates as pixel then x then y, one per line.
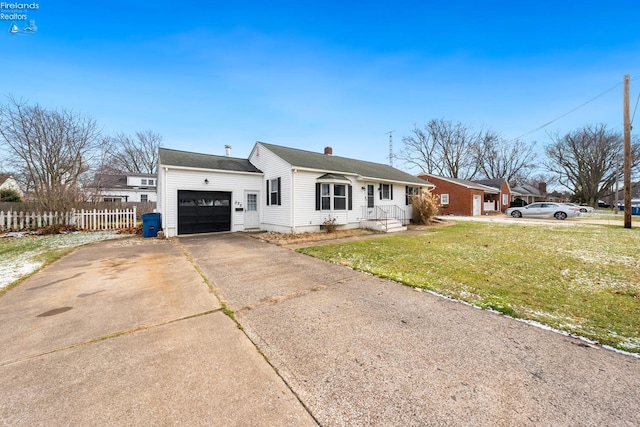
pixel 626 167
pixel 615 204
pixel 390 146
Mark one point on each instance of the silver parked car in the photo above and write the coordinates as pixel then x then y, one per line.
pixel 544 210
pixel 583 209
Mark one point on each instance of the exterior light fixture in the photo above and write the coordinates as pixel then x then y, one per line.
pixel 206 180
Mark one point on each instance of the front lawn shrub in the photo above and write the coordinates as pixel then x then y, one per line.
pixel 425 207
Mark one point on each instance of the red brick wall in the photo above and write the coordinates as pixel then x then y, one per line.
pixel 460 197
pixel 505 190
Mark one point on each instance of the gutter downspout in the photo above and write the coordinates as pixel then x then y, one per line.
pixel 164 202
pixel 292 195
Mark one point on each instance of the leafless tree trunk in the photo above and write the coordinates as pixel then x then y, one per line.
pixel 134 155
pixel 50 149
pixel 584 160
pixel 442 148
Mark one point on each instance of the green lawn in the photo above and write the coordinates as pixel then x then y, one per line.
pixel 583 279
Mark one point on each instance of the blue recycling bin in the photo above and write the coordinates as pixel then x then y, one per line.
pixel 150 224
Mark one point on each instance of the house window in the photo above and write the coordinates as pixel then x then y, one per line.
pixel 339 197
pixel 342 195
pixel 444 199
pixel 326 197
pixel 386 192
pixel 143 182
pixel 152 182
pixel 504 199
pixel 274 196
pixel 410 192
pixel 252 202
pixel 144 198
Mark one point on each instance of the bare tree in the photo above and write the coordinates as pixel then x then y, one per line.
pixel 50 149
pixel 584 161
pixel 137 154
pixel 498 158
pixel 442 148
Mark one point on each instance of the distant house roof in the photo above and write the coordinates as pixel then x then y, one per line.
pixel 495 183
pixel 119 181
pixel 526 189
pixel 4 177
pixel 342 165
pixel 464 183
pixel 205 161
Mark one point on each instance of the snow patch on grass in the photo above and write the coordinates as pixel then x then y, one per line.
pixel 20 263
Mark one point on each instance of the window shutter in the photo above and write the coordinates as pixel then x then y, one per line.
pixel 350 200
pixel 391 190
pixel 380 190
pixel 268 195
pixel 279 192
pixel 406 195
pixel 318 196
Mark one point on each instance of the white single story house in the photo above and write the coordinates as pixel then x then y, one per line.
pixel 132 187
pixel 279 189
pixel 8 182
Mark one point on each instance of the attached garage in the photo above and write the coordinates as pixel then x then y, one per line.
pixel 203 211
pixel 202 193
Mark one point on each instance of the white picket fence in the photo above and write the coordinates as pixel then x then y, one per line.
pixel 107 219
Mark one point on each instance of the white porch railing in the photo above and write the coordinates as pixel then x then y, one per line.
pixel 107 219
pixel 490 206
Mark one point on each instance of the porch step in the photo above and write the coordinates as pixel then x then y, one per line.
pixel 392 225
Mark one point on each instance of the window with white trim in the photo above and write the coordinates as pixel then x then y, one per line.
pixel 385 192
pixel 273 192
pixel 444 199
pixel 326 197
pixel 143 181
pixel 339 197
pixel 144 198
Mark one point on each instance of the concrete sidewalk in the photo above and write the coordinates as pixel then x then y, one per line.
pixel 126 332
pixel 359 350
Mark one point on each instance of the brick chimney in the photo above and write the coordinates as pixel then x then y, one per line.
pixel 328 151
pixel 542 186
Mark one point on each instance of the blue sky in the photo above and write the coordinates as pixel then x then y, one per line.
pixel 316 73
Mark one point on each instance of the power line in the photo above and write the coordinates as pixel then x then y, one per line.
pixel 567 113
pixel 635 108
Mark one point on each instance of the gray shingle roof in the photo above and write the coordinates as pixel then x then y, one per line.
pixel 342 165
pixel 495 183
pixel 205 161
pixel 465 183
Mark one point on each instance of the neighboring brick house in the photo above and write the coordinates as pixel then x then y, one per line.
pixel 462 197
pixel 501 200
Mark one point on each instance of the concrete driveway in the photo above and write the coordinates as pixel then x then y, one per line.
pixel 359 350
pixel 128 333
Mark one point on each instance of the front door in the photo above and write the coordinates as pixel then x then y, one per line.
pixel 477 204
pixel 251 213
pixel 370 196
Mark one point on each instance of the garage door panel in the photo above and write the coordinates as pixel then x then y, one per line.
pixel 203 211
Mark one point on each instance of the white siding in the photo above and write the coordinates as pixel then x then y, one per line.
pixel 131 195
pixel 274 217
pixel 171 180
pixel 307 218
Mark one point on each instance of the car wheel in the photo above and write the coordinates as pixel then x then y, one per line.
pixel 516 214
pixel 560 215
pixel 583 210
